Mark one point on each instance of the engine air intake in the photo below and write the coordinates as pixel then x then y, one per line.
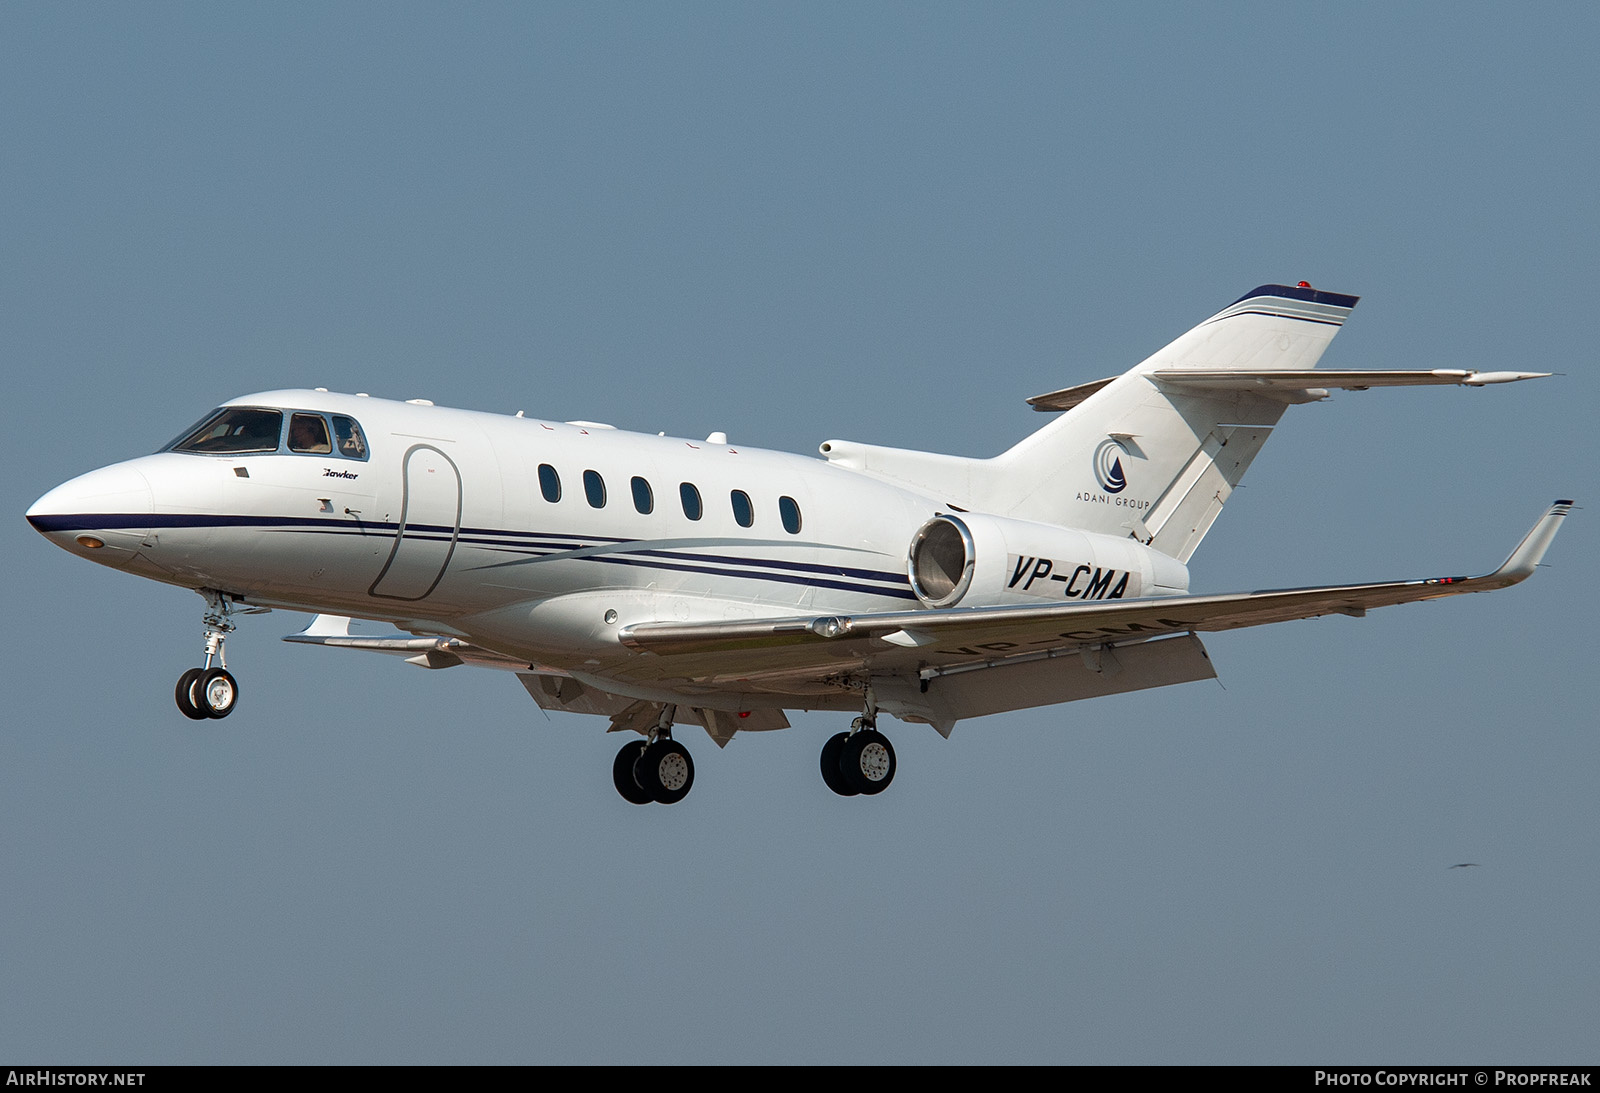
pixel 941 561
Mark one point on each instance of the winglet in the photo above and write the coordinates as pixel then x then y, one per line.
pixel 1526 557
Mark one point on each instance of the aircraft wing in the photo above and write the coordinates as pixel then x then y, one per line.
pixel 977 660
pixel 933 641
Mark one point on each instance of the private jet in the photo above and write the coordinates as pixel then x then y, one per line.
pixel 658 581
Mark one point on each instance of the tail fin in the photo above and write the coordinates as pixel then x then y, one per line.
pixel 1148 456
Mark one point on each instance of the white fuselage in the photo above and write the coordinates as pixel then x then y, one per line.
pixel 445 526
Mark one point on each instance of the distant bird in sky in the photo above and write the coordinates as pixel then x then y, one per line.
pixel 1465 865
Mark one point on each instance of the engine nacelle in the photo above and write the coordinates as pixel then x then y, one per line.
pixel 977 560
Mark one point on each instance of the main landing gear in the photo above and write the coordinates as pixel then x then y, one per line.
pixel 657 769
pixel 210 691
pixel 861 760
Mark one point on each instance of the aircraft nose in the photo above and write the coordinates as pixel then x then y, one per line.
pixel 103 515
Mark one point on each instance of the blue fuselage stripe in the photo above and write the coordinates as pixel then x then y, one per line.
pixel 533 543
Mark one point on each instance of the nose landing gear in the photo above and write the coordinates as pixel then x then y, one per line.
pixel 206 692
pixel 210 691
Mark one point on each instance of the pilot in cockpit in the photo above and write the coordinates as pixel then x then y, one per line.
pixel 309 433
pixel 350 442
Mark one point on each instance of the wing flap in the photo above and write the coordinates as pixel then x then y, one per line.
pixel 1023 682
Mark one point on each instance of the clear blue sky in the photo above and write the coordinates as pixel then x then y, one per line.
pixel 794 222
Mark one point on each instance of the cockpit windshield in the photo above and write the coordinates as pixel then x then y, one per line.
pixel 235 429
pixel 352 444
pixel 255 429
pixel 309 433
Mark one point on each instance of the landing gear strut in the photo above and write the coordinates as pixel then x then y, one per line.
pixel 210 691
pixel 656 769
pixel 861 760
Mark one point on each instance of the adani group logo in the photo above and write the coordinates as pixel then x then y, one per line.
pixel 1108 466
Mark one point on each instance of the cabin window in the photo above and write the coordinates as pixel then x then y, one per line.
pixel 690 496
pixel 594 488
pixel 789 513
pixel 347 438
pixel 643 499
pixel 743 511
pixel 234 429
pixel 549 483
pixel 308 433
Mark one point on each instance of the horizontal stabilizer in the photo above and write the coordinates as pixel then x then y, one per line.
pixel 1314 382
pixel 1067 397
pixel 1299 385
